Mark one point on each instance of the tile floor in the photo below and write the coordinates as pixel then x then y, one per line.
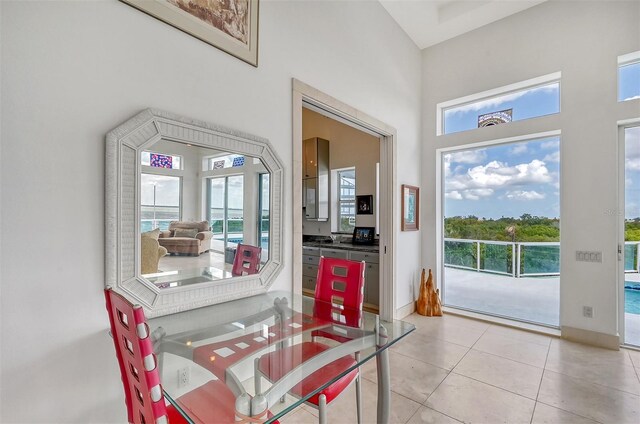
pixel 453 369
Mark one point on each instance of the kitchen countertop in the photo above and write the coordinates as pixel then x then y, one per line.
pixel 343 246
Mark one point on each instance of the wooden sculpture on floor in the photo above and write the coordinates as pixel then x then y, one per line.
pixel 428 303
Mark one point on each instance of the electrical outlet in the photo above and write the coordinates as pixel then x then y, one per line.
pixel 587 311
pixel 584 256
pixel 184 375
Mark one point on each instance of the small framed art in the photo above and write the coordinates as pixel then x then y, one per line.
pixel 410 208
pixel 364 205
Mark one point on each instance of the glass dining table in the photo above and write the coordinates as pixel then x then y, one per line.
pixel 213 355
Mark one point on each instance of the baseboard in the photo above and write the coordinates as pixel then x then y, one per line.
pixel 593 338
pixel 406 310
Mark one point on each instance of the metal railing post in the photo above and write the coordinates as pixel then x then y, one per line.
pixel 478 255
pixel 513 260
pixel 518 259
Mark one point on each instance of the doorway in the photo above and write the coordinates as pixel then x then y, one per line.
pixel 629 246
pixel 308 97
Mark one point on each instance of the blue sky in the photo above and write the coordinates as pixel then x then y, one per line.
pixel 632 172
pixel 538 101
pixel 629 82
pixel 504 180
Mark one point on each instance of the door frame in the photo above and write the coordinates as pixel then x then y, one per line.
pixel 622 125
pixel 303 93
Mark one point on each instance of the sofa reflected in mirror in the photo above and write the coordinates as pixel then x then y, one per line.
pixel 186 238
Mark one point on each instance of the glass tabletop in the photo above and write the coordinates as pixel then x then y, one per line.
pixel 262 356
pixel 185 277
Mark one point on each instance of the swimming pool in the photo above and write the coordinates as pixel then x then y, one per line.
pixel 264 243
pixel 632 298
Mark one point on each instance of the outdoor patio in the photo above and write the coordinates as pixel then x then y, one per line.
pixel 534 299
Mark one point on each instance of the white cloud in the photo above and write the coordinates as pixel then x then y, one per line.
pixel 631 98
pixel 497 174
pixel 632 164
pixel 519 149
pixel 468 156
pixel 524 195
pixel 476 194
pixel 455 195
pixel 548 145
pixel 496 102
pixel 552 157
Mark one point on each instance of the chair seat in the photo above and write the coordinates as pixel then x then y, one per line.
pixel 210 403
pixel 278 363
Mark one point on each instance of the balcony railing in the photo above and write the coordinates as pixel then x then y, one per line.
pixel 518 259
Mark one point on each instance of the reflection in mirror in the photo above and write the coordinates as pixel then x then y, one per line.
pixel 197 204
pixel 181 195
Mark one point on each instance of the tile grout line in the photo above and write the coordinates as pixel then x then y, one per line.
pixel 424 362
pixel 510 359
pixel 633 364
pixel 570 412
pixel 544 368
pixel 587 381
pixel 494 386
pixel 449 373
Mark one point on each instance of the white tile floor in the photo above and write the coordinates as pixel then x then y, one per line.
pixel 453 369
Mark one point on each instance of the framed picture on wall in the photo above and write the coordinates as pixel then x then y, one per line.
pixel 410 208
pixel 364 205
pixel 230 26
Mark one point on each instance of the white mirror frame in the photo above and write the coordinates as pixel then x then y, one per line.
pixel 122 224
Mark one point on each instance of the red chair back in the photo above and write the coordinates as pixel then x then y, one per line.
pixel 340 288
pixel 247 260
pixel 138 363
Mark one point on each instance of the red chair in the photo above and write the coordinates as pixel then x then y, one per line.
pixel 340 293
pixel 247 260
pixel 212 402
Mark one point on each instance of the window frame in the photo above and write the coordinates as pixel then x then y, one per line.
pixel 339 202
pixel 625 60
pixel 180 190
pixel 496 92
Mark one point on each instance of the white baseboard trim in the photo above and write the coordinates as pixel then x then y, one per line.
pixel 405 310
pixel 593 338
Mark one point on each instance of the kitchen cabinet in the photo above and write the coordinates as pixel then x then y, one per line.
pixel 311 258
pixel 315 179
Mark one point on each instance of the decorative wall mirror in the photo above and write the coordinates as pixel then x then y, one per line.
pixel 181 196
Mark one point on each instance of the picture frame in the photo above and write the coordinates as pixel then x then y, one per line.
pixel 234 31
pixel 363 235
pixel 364 205
pixel 410 208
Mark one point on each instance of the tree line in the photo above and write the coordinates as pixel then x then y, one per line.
pixel 526 228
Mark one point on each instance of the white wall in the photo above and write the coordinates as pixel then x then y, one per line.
pixel 348 147
pixel 582 40
pixel 71 71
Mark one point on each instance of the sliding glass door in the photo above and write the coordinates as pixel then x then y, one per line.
pixel 631 248
pixel 226 211
pixel 501 230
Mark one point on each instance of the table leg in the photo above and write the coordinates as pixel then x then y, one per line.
pixel 384 388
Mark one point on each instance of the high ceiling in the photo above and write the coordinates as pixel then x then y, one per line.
pixel 429 22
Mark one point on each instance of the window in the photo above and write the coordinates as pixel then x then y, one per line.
pixel 264 219
pixel 516 102
pixel 161 160
pixel 160 201
pixel 226 211
pixel 346 199
pixel 629 77
pixel 227 161
pixel 501 230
